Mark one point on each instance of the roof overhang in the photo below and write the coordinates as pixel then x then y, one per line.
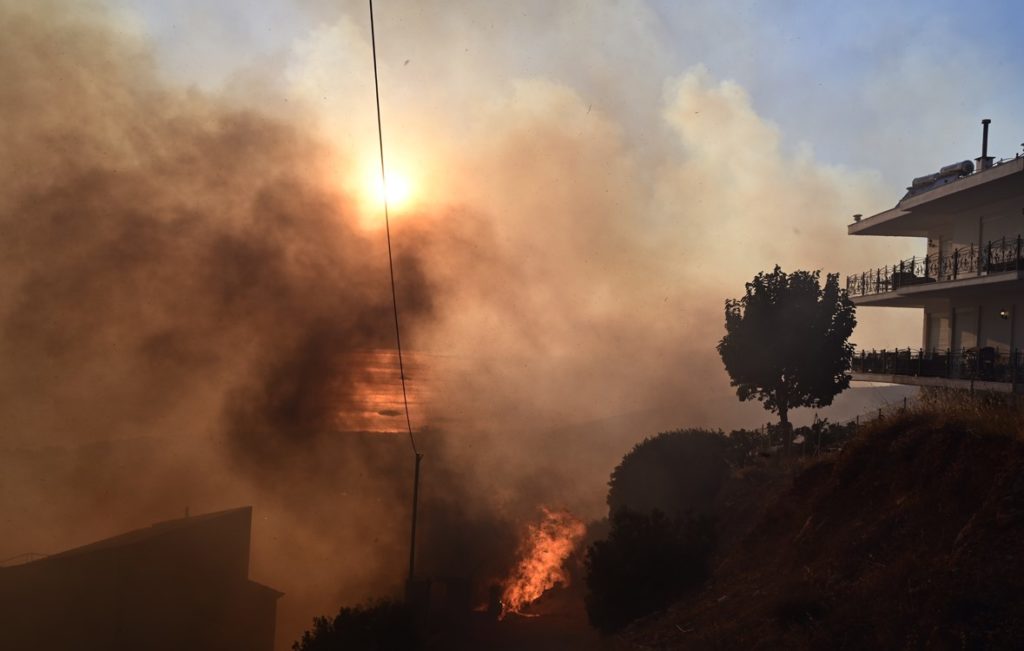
pixel 912 216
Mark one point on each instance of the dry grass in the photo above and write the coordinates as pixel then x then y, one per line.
pixel 907 538
pixel 982 412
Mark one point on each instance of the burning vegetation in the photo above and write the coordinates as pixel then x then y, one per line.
pixel 545 548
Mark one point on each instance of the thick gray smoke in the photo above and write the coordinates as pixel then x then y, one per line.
pixel 193 318
pixel 178 276
pixel 192 313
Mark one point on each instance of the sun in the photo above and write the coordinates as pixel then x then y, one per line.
pixel 405 194
pixel 398 191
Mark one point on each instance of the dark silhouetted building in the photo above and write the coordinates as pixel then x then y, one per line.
pixel 177 585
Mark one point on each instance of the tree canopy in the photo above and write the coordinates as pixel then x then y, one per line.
pixel 787 341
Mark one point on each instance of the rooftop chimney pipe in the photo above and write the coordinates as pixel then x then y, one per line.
pixel 984 137
pixel 985 161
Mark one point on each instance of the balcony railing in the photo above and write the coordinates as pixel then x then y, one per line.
pixel 999 255
pixel 985 364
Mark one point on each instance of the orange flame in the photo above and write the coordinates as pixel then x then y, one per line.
pixel 542 553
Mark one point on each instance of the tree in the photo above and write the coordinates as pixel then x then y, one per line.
pixel 786 343
pixel 674 472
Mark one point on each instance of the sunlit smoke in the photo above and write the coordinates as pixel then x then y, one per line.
pixel 194 315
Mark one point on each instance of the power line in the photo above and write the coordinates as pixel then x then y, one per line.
pixel 387 228
pixel 394 306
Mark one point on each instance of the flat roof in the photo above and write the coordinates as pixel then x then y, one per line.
pixel 913 216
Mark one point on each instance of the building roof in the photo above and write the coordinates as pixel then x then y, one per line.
pixel 152 531
pixel 914 215
pixel 192 572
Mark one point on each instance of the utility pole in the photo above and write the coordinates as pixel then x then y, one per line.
pixel 415 507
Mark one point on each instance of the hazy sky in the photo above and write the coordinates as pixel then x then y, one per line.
pixel 896 87
pixel 870 93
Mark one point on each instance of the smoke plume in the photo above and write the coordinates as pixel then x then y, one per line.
pixel 196 311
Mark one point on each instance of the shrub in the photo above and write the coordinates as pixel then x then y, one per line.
pixel 383 626
pixel 648 560
pixel 674 472
pixel 743 445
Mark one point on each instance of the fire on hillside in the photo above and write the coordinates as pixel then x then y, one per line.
pixel 542 555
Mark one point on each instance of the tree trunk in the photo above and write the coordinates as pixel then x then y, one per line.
pixel 787 431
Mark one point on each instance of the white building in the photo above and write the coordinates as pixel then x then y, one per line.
pixel 970 283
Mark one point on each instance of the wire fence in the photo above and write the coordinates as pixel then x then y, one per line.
pixel 822 436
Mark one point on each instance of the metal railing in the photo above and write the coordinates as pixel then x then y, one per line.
pixel 1004 254
pixel 984 364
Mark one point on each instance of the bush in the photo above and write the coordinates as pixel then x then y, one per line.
pixel 824 435
pixel 673 472
pixel 648 560
pixel 383 626
pixel 744 445
pixel 821 436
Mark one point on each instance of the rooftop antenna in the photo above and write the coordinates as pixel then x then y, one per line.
pixel 394 304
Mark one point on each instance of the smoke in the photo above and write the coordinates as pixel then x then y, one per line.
pixel 182 271
pixel 195 306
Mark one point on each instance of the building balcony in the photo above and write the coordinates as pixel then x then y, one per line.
pixel 920 275
pixel 986 368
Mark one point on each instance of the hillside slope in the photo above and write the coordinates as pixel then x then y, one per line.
pixel 912 537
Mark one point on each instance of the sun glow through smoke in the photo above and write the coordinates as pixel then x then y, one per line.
pixel 398 190
pixel 403 193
